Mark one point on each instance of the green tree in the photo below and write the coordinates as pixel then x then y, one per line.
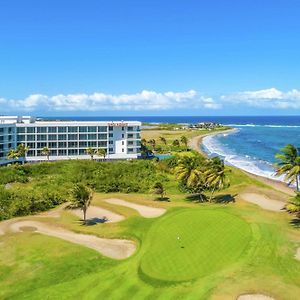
pixel 289 164
pixel 176 143
pixel 101 152
pixel 294 205
pixel 45 151
pixel 159 189
pixel 152 142
pixel 18 153
pixel 184 141
pixel 82 197
pixel 163 140
pixel 215 176
pixel 91 152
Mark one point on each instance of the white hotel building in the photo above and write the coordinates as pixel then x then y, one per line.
pixel 69 139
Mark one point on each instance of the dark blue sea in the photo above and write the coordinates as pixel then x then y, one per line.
pixel 252 147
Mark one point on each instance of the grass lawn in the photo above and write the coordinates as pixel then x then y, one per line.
pixel 229 249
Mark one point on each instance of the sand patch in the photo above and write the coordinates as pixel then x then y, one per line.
pixel 98 215
pixel 297 256
pixel 113 248
pixel 254 297
pixel 143 210
pixel 263 201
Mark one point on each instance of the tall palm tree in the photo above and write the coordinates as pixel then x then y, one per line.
pixel 82 197
pixel 189 172
pixel 152 142
pixel 289 164
pixel 18 153
pixel 163 140
pixel 11 154
pixel 45 151
pixel 184 141
pixel 90 151
pixel 215 176
pixel 101 152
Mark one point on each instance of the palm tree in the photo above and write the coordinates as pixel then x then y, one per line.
pixel 163 140
pixel 289 164
pixel 184 141
pixel 101 152
pixel 189 172
pixel 90 151
pixel 215 176
pixel 176 143
pixel 152 142
pixel 294 205
pixel 159 189
pixel 12 154
pixel 82 197
pixel 45 151
pixel 18 153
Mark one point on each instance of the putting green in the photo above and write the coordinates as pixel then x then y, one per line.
pixel 194 243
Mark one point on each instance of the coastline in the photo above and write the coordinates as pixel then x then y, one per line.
pixel 195 144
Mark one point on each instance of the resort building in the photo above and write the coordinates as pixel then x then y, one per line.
pixel 69 139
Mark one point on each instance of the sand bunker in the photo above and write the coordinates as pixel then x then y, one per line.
pixel 254 297
pixel 143 210
pixel 113 248
pixel 263 201
pixel 98 215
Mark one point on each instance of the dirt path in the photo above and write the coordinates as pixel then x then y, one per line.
pixel 113 248
pixel 143 210
pixel 98 215
pixel 254 297
pixel 263 201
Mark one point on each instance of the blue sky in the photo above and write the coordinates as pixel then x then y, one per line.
pixel 133 57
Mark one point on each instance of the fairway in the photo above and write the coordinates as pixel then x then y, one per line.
pixel 194 243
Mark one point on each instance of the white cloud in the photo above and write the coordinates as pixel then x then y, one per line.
pixel 143 101
pixel 268 98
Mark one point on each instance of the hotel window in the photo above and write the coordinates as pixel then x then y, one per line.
pixel 130 150
pixel 130 143
pixel 52 137
pixel 21 138
pixel 82 129
pixel 92 129
pixel 83 137
pixel 62 152
pixel 62 145
pixel 42 137
pixel 110 128
pixel 82 152
pixel 30 129
pixel 82 144
pixel 92 144
pixel 92 136
pixel 72 144
pixel 129 128
pixel 62 137
pixel 73 137
pixel 31 137
pixel 111 150
pixel 122 143
pixel 111 135
pixel 122 149
pixel 111 142
pixel 102 128
pixel 122 135
pixel 41 129
pixel 52 144
pixel 130 136
pixel 31 145
pixel 62 129
pixel 31 153
pixel 72 129
pixel 52 129
pixel 123 128
pixel 102 136
pixel 20 129
pixel 41 145
pixel 53 152
pixel 102 144
pixel 73 152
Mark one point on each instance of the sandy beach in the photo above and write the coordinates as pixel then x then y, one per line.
pixel 195 144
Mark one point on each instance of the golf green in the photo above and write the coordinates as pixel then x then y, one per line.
pixel 193 243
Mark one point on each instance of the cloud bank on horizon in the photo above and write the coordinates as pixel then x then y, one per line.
pixel 149 101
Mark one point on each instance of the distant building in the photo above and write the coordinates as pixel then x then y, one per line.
pixel 69 139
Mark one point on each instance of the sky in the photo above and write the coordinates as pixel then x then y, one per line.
pixel 149 57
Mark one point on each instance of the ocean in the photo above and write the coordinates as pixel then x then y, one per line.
pixel 252 147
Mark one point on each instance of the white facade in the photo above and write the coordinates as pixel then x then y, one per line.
pixel 69 139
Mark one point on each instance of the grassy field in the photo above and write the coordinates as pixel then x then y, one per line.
pixel 229 249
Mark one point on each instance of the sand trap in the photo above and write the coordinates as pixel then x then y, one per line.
pixel 143 210
pixel 254 297
pixel 297 256
pixel 113 248
pixel 263 201
pixel 98 215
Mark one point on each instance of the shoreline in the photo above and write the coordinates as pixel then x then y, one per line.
pixel 196 142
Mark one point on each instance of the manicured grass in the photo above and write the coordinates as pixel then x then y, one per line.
pixel 194 243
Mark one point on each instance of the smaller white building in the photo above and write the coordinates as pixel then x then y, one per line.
pixel 69 139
